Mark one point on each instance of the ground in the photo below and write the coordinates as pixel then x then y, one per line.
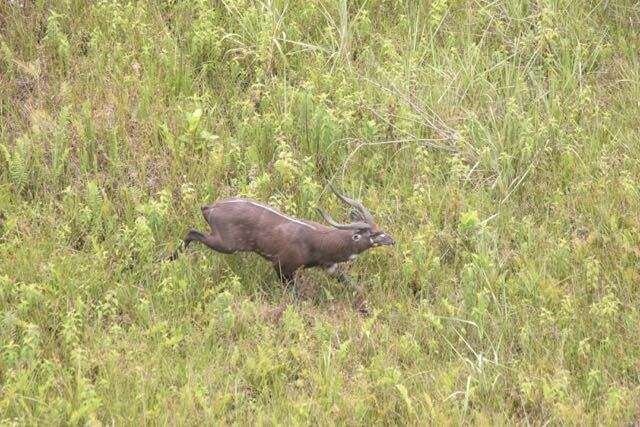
pixel 496 141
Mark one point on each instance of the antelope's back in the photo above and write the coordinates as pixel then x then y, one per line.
pixel 252 225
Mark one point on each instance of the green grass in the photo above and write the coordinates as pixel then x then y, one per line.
pixel 497 141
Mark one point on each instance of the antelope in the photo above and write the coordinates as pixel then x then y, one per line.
pixel 289 244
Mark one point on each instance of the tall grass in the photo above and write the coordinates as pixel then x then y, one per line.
pixel 496 141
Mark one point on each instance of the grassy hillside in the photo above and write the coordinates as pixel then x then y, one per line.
pixel 497 141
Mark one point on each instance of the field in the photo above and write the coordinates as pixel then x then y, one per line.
pixel 497 141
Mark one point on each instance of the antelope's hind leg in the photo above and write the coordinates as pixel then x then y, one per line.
pixel 213 241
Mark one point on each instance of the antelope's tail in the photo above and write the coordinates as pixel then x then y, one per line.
pixel 206 211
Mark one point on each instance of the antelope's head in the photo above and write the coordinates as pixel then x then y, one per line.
pixel 365 232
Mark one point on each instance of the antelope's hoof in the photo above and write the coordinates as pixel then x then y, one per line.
pixel 274 314
pixel 361 306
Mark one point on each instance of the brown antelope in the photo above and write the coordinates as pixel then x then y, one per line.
pixel 290 244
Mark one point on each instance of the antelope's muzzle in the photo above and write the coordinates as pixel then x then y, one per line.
pixel 383 239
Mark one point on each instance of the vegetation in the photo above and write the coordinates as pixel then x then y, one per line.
pixel 497 141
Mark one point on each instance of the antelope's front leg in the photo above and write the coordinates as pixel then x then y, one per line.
pixel 360 301
pixel 287 277
pixel 334 270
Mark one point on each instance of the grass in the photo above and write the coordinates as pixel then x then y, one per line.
pixel 497 141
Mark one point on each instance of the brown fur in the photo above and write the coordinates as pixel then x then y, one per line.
pixel 245 225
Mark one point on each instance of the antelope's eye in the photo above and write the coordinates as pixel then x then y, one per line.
pixel 356 237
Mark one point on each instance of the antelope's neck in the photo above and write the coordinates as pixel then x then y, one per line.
pixel 336 247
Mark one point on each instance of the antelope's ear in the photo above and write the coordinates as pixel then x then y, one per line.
pixel 359 234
